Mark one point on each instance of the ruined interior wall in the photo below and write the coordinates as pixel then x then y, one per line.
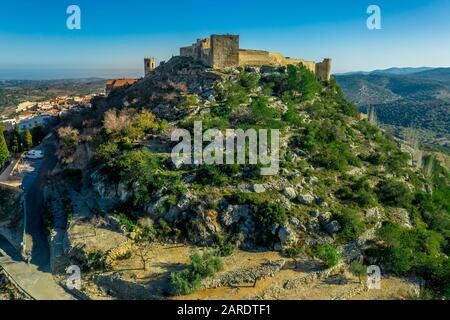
pixel 310 65
pixel 254 58
pixel 187 51
pixel 199 51
pixel 224 51
pixel 265 58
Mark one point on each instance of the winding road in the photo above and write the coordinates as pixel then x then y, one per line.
pixel 35 277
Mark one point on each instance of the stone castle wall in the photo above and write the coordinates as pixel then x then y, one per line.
pixel 222 51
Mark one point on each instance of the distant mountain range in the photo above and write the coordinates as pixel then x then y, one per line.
pixel 405 97
pixel 393 71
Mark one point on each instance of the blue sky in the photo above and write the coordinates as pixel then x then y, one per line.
pixel 116 35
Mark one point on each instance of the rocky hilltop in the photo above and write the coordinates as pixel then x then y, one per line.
pixel 345 192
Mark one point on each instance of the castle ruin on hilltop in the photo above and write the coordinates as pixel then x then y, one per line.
pixel 223 51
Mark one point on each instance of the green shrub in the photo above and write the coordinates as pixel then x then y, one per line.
pixel 201 266
pixel 270 214
pixel 95 261
pixel 141 169
pixel 225 248
pixel 352 224
pixel 205 265
pixel 393 193
pixel 328 254
pixel 334 156
pixel 358 192
pixel 292 117
pixel 184 282
pixel 126 221
pixel 232 94
pixel 262 113
pixel 249 80
pixel 408 249
pixel 303 81
pixel 211 175
pixel 419 251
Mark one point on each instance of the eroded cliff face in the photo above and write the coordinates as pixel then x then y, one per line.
pixel 11 217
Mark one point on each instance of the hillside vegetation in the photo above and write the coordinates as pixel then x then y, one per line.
pixel 345 190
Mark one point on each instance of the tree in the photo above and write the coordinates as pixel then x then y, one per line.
pixel 358 269
pixel 4 152
pixel 142 245
pixel 294 253
pixel 116 122
pixel 16 144
pixel 27 140
pixel 68 142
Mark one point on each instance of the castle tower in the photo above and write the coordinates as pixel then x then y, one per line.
pixel 149 65
pixel 224 51
pixel 323 69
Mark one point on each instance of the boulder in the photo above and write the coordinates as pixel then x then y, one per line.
pixel 313 180
pixel 286 203
pixel 289 192
pixel 325 217
pixel 294 221
pixel 286 235
pixel 401 216
pixel 321 203
pixel 314 214
pixel 234 214
pixel 258 188
pixel 332 227
pixel 185 201
pixel 306 199
pixel 373 213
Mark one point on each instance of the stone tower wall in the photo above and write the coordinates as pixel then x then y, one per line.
pixel 224 51
pixel 323 69
pixel 149 65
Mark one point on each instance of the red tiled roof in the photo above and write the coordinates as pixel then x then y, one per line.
pixel 115 83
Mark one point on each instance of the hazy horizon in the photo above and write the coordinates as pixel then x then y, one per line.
pixel 63 74
pixel 35 42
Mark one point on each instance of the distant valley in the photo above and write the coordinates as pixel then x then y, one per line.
pixel 405 97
